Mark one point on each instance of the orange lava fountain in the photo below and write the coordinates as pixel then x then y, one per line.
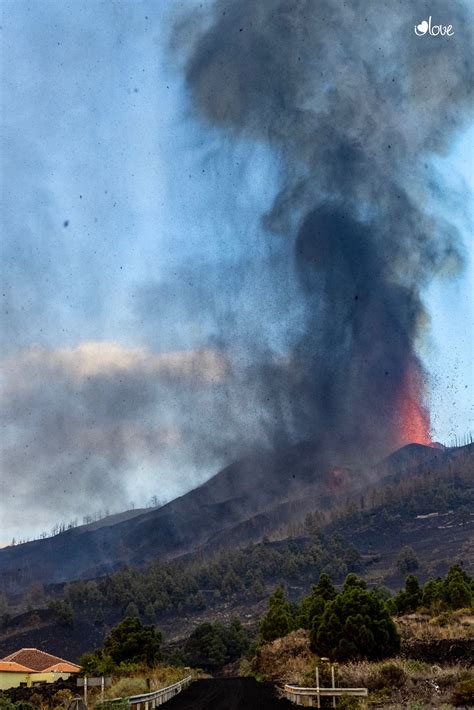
pixel 413 417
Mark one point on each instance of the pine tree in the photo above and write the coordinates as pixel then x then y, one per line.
pixel 458 591
pixel 356 624
pixel 312 607
pixel 410 598
pixel 278 620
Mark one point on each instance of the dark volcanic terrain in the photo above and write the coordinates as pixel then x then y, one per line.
pixel 248 499
pixel 423 499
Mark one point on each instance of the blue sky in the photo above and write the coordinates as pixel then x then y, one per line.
pixel 113 187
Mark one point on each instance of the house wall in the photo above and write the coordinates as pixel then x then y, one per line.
pixel 10 679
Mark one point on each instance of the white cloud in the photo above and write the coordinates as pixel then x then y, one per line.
pixel 110 358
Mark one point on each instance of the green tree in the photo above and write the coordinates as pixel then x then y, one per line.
pixel 236 640
pixel 211 646
pixel 96 663
pixel 458 591
pixel 205 647
pixel 278 621
pixel 325 588
pixel 131 642
pixel 410 598
pixel 132 611
pixel 352 581
pixel 432 592
pixel 355 624
pixel 407 561
pixel 312 607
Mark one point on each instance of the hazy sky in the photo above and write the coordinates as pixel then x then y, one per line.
pixel 118 208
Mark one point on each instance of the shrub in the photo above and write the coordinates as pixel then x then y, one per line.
pixel 463 693
pixel 287 659
pixel 389 675
pixel 126 687
pixel 63 697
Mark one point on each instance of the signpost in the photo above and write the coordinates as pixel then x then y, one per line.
pixel 102 683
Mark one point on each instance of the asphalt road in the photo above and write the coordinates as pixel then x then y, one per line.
pixel 229 694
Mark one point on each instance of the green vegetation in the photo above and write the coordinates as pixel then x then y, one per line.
pixel 129 643
pixel 393 683
pixel 407 561
pixel 312 606
pixel 351 624
pixel 316 544
pixel 410 598
pixel 211 646
pixel 356 623
pixel 130 646
pixel 455 591
pixel 6 704
pixel 179 586
pixel 279 620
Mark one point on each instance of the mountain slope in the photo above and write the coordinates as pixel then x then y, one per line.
pixel 276 486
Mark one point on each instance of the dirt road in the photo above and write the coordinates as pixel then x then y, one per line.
pixel 229 694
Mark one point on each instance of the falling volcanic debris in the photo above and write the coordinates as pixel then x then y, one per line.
pixel 354 104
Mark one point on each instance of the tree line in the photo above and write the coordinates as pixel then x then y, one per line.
pixel 350 623
pixel 178 585
pixel 355 622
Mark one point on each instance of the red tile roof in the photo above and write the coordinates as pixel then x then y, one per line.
pixel 63 667
pixel 12 667
pixel 39 661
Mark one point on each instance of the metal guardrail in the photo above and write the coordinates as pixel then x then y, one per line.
pixel 311 697
pixel 148 701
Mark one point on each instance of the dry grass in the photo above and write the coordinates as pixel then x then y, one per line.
pixel 126 687
pixel 287 660
pixel 163 675
pixel 144 681
pixel 447 625
pixel 394 683
pixel 397 672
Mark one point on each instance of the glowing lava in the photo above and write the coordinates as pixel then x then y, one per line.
pixel 413 417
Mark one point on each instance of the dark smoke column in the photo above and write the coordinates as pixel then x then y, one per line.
pixel 354 104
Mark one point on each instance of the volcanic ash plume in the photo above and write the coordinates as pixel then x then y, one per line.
pixel 353 104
